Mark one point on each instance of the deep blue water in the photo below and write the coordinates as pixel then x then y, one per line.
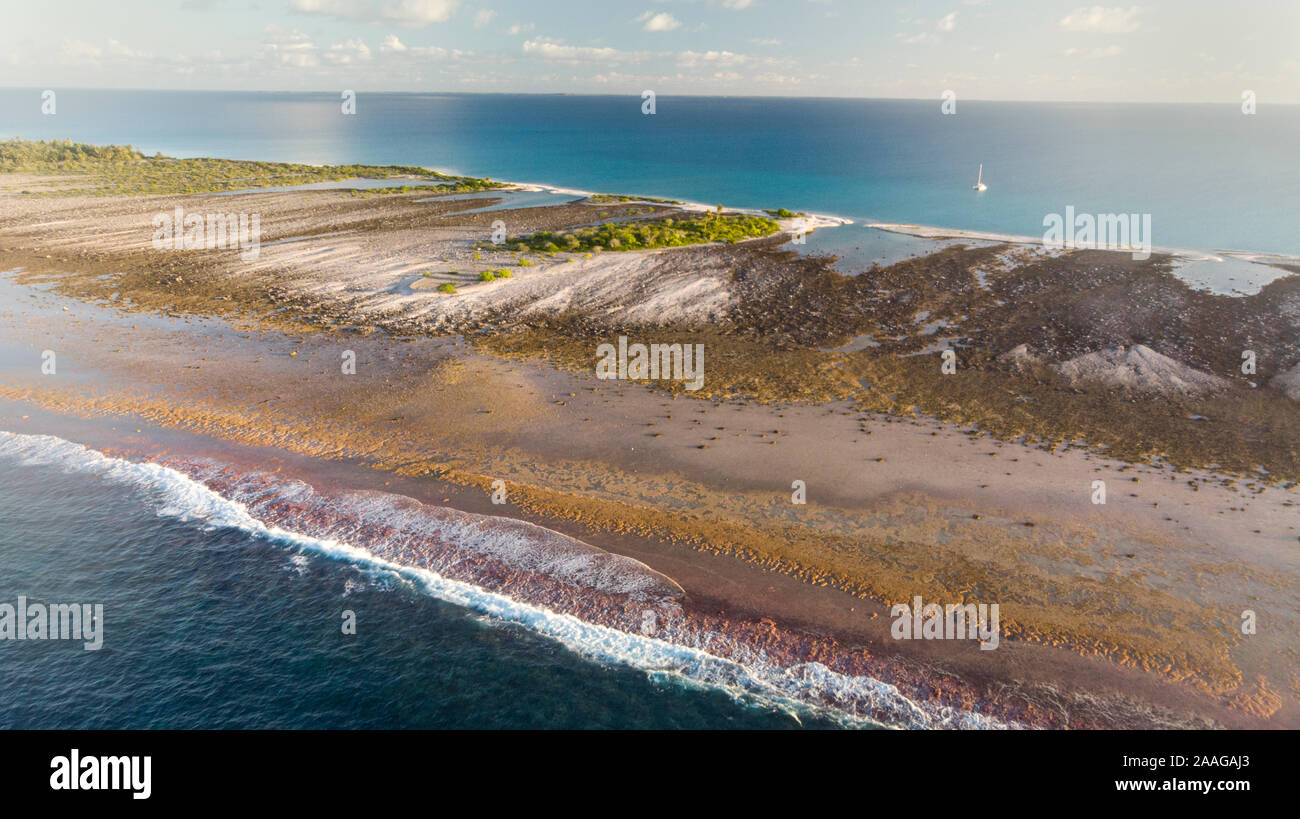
pixel 212 628
pixel 1211 177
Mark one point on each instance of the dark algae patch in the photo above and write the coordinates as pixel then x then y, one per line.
pixel 773 346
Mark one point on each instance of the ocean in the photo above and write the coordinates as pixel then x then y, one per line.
pixel 1211 177
pixel 211 621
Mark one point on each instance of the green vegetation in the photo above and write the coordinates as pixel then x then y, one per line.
pixel 603 198
pixel 668 232
pixel 21 154
pixel 458 185
pixel 525 263
pixel 102 170
pixel 784 213
pixel 366 193
pixel 487 276
pixel 447 287
pixel 502 272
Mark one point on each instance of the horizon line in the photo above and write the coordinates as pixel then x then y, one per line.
pixel 1235 102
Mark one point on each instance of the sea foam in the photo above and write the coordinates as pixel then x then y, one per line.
pixel 747 675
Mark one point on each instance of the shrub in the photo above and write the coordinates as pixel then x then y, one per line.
pixel 487 276
pixel 600 198
pixel 783 213
pixel 668 232
pixel 447 287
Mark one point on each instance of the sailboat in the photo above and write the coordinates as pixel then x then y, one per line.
pixel 979 182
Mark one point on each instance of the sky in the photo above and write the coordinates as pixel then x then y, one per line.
pixel 1158 51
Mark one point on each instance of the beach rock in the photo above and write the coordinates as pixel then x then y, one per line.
pixel 1139 368
pixel 1020 357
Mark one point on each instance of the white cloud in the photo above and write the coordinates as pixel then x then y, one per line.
pixel 691 59
pixel 948 22
pixel 296 59
pixel 76 49
pixel 737 4
pixel 519 28
pixel 336 8
pixel 289 47
pixel 1102 19
pixel 611 78
pixel 419 12
pixel 413 13
pixel 550 50
pixel 286 38
pixel 117 49
pixel 484 17
pixel 663 21
pixel 347 53
pixel 391 46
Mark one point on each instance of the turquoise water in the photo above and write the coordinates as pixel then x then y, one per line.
pixel 1210 177
pixel 213 627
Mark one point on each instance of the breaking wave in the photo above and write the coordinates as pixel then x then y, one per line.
pixel 605 607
